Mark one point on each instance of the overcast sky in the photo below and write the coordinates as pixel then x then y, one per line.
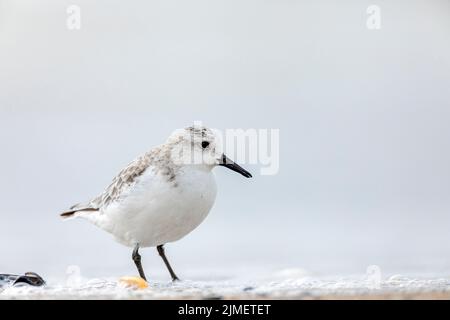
pixel 363 117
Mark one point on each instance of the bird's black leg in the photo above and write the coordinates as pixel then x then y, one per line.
pixel 163 256
pixel 137 261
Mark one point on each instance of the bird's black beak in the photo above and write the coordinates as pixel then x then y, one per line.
pixel 226 162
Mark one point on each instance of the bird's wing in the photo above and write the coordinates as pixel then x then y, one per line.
pixel 125 179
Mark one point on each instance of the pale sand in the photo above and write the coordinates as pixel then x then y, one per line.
pixel 304 288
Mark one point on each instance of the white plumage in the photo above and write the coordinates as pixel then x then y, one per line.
pixel 154 212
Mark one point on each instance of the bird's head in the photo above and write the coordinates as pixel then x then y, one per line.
pixel 202 147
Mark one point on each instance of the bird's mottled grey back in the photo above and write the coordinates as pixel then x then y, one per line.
pixel 158 159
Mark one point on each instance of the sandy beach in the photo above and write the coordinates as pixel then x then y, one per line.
pixel 307 288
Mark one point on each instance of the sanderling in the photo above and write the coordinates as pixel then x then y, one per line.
pixel 162 195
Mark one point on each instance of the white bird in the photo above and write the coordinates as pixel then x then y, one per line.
pixel 162 195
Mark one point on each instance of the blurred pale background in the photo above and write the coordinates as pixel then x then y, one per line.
pixel 363 116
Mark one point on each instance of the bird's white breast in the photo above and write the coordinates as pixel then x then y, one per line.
pixel 156 211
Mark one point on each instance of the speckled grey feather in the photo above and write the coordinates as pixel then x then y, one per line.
pixel 159 159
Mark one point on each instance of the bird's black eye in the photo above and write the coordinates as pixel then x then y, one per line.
pixel 205 144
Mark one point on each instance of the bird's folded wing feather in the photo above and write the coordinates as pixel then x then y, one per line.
pixel 125 179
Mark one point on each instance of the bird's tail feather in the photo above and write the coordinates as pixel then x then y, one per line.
pixel 68 214
pixel 73 213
